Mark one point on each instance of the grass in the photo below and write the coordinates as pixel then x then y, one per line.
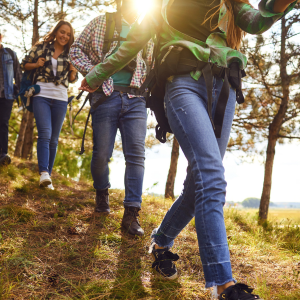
pixel 52 246
pixel 283 216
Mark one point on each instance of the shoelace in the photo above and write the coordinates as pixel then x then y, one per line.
pixel 239 291
pixel 167 255
pixel 135 213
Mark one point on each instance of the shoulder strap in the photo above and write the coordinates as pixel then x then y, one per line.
pixel 109 33
pixel 43 55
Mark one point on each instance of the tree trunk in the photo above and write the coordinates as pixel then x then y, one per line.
pixel 275 128
pixel 169 192
pixel 25 139
pixel 20 141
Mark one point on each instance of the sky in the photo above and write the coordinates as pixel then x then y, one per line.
pixel 243 179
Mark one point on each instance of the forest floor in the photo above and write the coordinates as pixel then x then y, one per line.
pixel 53 246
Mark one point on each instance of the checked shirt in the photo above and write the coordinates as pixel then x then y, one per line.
pixel 86 52
pixel 45 73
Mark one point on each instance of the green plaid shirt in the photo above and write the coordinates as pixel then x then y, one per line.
pixel 45 73
pixel 215 48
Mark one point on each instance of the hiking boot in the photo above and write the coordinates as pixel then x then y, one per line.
pixel 238 291
pixel 5 160
pixel 130 221
pixel 164 262
pixel 45 179
pixel 102 201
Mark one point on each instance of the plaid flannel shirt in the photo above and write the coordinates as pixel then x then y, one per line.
pixel 86 52
pixel 45 73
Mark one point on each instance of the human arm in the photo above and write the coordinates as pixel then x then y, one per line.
pixel 82 46
pixel 281 5
pixel 73 74
pixel 31 66
pixel 137 38
pixel 255 21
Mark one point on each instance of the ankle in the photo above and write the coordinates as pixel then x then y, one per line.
pixel 157 247
pixel 221 288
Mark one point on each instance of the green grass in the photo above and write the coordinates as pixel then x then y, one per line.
pixel 53 246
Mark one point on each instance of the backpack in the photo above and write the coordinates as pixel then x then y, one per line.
pixel 28 88
pixel 173 61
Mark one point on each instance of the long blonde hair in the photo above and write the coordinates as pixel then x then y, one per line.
pixel 50 36
pixel 234 33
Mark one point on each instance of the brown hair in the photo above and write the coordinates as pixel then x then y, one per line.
pixel 50 36
pixel 234 33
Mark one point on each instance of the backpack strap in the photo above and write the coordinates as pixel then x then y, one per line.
pixel 109 33
pixel 44 56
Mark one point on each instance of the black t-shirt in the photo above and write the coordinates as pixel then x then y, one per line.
pixel 188 15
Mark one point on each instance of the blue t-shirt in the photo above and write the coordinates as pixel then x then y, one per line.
pixel 123 77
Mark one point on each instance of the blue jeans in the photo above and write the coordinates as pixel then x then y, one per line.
pixel 49 116
pixel 203 195
pixel 130 116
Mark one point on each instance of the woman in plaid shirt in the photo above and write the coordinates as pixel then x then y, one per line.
pixel 53 74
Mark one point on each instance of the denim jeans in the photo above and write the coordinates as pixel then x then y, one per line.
pixel 5 111
pixel 130 116
pixel 49 115
pixel 203 195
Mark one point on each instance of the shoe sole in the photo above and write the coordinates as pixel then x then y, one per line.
pixel 102 212
pixel 173 277
pixel 125 230
pixel 6 161
pixel 45 183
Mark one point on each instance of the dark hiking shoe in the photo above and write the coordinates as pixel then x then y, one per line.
pixel 102 201
pixel 239 291
pixel 164 262
pixel 130 221
pixel 5 160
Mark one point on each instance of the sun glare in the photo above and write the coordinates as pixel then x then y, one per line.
pixel 143 6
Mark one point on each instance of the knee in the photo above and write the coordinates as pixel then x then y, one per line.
pixel 100 157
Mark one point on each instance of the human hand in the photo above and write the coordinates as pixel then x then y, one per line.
pixel 85 87
pixel 40 62
pixel 72 68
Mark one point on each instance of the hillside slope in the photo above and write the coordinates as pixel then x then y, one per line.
pixel 53 246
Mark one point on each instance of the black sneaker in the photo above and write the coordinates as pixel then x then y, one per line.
pixel 164 262
pixel 239 291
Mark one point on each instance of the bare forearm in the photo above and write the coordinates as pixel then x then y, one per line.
pixel 30 66
pixel 281 5
pixel 72 76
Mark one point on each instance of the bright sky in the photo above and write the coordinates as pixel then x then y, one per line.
pixel 244 179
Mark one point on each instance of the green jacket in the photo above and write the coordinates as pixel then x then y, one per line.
pixel 215 48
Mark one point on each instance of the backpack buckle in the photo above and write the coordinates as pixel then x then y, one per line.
pixel 217 70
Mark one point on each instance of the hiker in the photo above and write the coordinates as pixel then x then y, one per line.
pixel 198 42
pixel 9 71
pixel 53 74
pixel 116 104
